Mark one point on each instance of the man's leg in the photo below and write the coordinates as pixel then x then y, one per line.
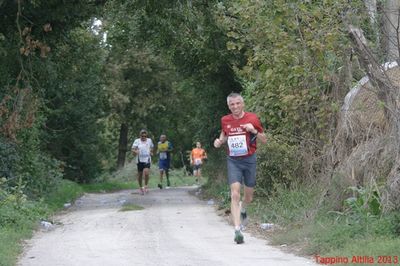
pixel 235 211
pixel 140 181
pixel 249 184
pixel 235 208
pixel 247 199
pixel 161 178
pixel 235 178
pixel 167 175
pixel 199 174
pixel 248 196
pixel 196 172
pixel 140 174
pixel 146 173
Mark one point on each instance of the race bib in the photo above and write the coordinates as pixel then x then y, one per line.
pixel 237 145
pixel 144 156
pixel 197 161
pixel 163 155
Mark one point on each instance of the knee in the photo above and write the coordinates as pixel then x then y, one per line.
pixel 248 198
pixel 235 196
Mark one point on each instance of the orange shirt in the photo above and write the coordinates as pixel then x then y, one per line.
pixel 198 154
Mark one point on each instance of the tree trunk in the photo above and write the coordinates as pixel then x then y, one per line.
pixel 391 29
pixel 389 93
pixel 123 145
pixel 372 9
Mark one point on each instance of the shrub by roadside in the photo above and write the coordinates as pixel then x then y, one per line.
pixel 19 216
pixel 308 222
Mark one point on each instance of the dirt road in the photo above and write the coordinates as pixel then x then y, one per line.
pixel 174 228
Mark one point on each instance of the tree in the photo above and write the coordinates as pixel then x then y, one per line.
pixel 184 36
pixel 33 34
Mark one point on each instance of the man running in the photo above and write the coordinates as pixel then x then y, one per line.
pixel 143 149
pixel 164 149
pixel 197 156
pixel 240 130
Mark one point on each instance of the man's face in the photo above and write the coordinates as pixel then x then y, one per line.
pixel 163 138
pixel 198 145
pixel 236 106
pixel 143 136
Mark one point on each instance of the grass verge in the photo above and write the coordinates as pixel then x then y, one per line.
pixel 19 217
pixel 307 227
pixel 131 207
pixel 126 178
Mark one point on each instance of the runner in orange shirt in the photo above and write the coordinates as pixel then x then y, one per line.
pixel 197 157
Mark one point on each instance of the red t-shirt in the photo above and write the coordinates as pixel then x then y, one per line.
pixel 239 141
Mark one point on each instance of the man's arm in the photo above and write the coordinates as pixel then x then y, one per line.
pixel 221 140
pixel 151 147
pixel 261 137
pixel 135 149
pixel 256 131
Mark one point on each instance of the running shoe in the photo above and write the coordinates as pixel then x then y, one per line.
pixel 238 237
pixel 160 186
pixel 146 190
pixel 141 191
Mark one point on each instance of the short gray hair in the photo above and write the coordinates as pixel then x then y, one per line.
pixel 233 95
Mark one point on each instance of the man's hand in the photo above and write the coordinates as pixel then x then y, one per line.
pixel 249 128
pixel 218 143
pixel 221 140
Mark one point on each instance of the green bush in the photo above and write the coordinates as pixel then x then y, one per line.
pixel 65 191
pixel 19 216
pixel 15 208
pixel 277 165
pixel 25 166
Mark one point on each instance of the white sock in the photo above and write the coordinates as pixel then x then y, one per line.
pixel 237 228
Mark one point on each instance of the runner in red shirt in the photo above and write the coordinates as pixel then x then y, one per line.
pixel 240 130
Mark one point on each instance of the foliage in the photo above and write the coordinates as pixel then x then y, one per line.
pixel 32 79
pixel 168 66
pixel 342 234
pixel 365 202
pixel 278 164
pixel 8 158
pixel 286 206
pixel 278 167
pixel 24 165
pixel 74 105
pixel 292 63
pixel 299 222
pixel 186 37
pixel 65 191
pixel 19 216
